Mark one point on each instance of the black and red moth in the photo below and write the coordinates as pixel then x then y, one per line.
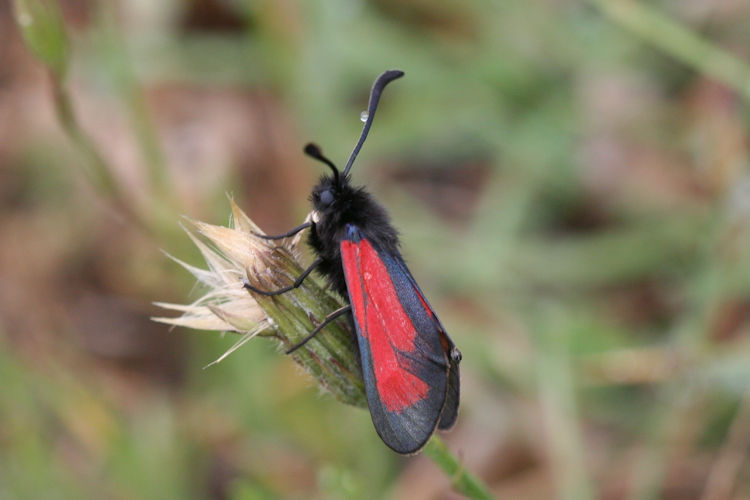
pixel 409 364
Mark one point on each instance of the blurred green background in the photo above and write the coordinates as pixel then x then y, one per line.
pixel 570 178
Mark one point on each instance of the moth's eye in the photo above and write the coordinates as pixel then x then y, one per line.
pixel 326 198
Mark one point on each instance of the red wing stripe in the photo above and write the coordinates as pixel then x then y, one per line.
pixel 382 323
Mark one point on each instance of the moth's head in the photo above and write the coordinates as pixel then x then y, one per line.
pixel 325 193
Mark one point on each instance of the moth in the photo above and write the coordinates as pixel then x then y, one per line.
pixel 409 363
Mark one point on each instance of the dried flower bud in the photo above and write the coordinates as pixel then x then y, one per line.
pixel 236 253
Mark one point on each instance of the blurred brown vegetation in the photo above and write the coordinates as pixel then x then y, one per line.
pixel 574 198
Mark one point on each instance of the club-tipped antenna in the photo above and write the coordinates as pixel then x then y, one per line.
pixel 313 151
pixel 377 89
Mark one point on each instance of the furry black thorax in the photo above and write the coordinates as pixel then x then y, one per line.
pixel 338 204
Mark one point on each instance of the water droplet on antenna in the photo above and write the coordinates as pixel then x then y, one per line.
pixel 363 116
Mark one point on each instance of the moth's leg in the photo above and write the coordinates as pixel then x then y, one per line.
pixel 332 316
pixel 294 285
pixel 289 233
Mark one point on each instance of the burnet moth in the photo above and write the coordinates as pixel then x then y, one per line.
pixel 409 363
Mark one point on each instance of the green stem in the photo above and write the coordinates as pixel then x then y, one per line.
pixel 462 480
pixel 95 167
pixel 679 42
pixel 44 32
pixel 557 399
pixel 114 50
pixel 161 212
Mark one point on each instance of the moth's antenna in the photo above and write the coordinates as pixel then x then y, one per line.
pixel 377 89
pixel 313 151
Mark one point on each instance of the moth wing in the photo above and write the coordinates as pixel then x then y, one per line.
pixel 408 372
pixel 450 409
